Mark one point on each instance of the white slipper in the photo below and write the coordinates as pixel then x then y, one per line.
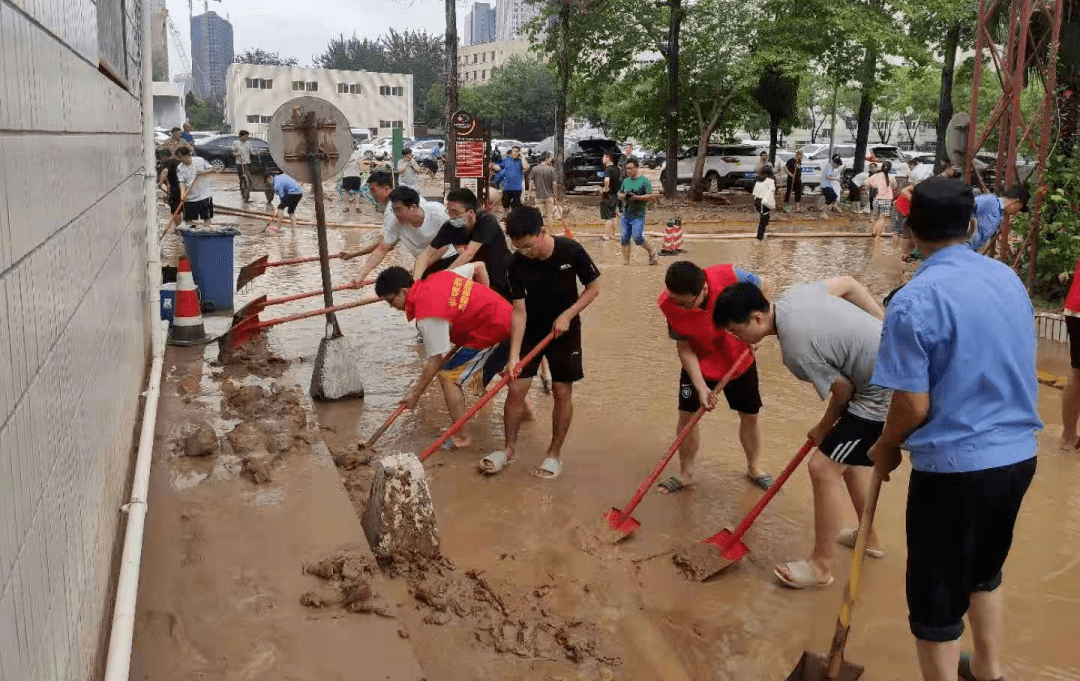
pixel 849 535
pixel 802 576
pixel 553 468
pixel 497 460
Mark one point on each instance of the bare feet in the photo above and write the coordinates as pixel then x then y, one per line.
pixel 1069 443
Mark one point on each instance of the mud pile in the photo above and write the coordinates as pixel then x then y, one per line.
pixel 502 617
pixel 253 358
pixel 347 584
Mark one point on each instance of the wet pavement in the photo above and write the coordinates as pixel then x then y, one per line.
pixel 527 531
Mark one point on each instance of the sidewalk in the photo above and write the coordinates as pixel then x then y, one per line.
pixel 222 574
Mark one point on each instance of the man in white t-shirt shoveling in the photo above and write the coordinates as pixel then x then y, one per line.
pixel 199 204
pixel 413 222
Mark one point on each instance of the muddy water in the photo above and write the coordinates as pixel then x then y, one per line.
pixel 530 532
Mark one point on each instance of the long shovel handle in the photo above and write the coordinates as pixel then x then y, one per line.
pixel 843 623
pixel 487 396
pixel 401 407
pixel 742 527
pixel 651 479
pixel 297 261
pixel 316 313
pixel 312 294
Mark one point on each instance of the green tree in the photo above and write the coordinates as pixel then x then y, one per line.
pixel 517 101
pixel 417 52
pixel 777 93
pixel 205 114
pixel 256 55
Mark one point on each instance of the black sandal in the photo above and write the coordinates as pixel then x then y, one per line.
pixel 671 485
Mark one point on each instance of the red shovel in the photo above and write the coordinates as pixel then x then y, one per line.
pixel 241 333
pixel 507 377
pixel 726 547
pixel 259 265
pixel 262 302
pixel 621 524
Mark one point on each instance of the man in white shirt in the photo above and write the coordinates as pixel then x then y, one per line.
pixel 408 170
pixel 413 222
pixel 199 204
pixel 919 171
pixel 241 151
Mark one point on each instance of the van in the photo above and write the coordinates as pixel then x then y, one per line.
pixel 360 135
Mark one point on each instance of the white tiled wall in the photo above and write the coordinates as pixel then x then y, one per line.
pixel 73 347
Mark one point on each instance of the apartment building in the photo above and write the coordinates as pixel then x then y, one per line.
pixel 476 62
pixel 379 102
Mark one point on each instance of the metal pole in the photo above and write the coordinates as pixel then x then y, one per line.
pixel 976 82
pixel 315 159
pixel 1044 140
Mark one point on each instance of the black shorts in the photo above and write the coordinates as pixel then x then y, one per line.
pixel 289 202
pixel 1072 325
pixel 198 210
pixel 742 393
pixel 438 266
pixel 563 356
pixel 609 208
pixel 350 184
pixel 174 200
pixel 850 440
pixel 959 532
pixel 511 198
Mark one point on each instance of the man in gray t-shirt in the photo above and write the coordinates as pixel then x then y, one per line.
pixel 829 334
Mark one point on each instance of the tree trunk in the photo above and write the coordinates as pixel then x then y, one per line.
pixel 560 100
pixel 866 107
pixel 1069 110
pixel 451 93
pixel 697 186
pixel 832 126
pixel 945 100
pixel 671 117
pixel 774 128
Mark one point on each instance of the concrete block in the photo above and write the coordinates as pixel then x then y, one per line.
pixel 400 517
pixel 337 370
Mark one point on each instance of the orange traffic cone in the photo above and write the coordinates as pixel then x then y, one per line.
pixel 669 234
pixel 187 327
pixel 677 237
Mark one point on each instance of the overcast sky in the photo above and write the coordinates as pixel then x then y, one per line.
pixel 303 29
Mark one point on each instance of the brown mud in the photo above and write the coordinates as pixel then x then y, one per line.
pixel 624 610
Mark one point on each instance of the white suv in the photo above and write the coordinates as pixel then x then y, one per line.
pixel 726 165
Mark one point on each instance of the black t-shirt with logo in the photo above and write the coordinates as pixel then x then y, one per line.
pixel 612 173
pixel 494 252
pixel 174 181
pixel 550 287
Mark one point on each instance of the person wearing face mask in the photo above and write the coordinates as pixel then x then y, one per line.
pixel 475 235
pixel 706 355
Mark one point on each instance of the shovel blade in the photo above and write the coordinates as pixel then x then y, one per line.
pixel 253 308
pixel 243 332
pixel 617 526
pixel 250 271
pixel 815 667
pixel 732 549
pixel 710 557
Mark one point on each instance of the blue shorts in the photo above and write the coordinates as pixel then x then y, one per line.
pixel 475 368
pixel 633 228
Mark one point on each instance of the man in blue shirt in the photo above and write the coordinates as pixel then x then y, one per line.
pixel 512 177
pixel 186 135
pixel 958 350
pixel 289 195
pixel 990 210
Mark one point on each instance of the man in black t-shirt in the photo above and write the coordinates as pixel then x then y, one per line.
pixel 475 235
pixel 794 181
pixel 544 275
pixel 609 196
pixel 171 183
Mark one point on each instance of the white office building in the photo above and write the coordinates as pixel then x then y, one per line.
pixel 511 17
pixel 378 102
pixel 477 63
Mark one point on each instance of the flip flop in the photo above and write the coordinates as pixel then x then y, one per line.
pixel 849 535
pixel 802 576
pixel 964 670
pixel 497 460
pixel 764 481
pixel 671 486
pixel 553 468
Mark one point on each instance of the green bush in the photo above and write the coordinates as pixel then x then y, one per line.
pixel 1059 237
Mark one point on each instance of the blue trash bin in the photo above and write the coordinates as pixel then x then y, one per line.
pixel 168 301
pixel 211 254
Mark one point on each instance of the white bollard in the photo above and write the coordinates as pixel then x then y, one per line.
pixel 399 516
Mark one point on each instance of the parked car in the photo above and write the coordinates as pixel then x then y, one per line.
pixel 730 165
pixel 583 164
pixel 422 150
pixel 218 153
pixel 360 135
pixel 384 149
pixel 203 136
pixel 504 146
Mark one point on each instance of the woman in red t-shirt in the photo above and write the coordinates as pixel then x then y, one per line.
pixel 1070 401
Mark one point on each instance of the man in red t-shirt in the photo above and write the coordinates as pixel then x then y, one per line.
pixel 453 308
pixel 706 354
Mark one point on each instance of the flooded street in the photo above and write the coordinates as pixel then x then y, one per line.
pixel 534 534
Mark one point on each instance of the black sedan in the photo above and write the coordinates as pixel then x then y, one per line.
pixel 218 153
pixel 584 161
